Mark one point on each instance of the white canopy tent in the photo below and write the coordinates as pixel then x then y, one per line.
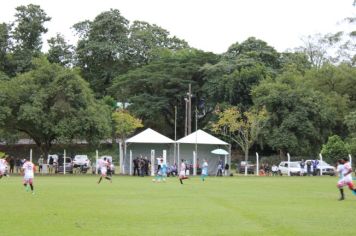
pixel 148 143
pixel 198 146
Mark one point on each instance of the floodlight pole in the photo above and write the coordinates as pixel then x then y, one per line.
pixel 190 109
pixel 321 168
pixel 288 163
pixel 64 162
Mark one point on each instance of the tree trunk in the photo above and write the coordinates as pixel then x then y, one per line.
pixel 246 159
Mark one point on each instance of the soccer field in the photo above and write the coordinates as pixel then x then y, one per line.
pixel 77 205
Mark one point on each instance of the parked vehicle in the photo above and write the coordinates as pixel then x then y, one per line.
pixel 322 167
pixel 81 160
pixel 95 166
pixel 68 165
pixel 294 168
pixel 250 168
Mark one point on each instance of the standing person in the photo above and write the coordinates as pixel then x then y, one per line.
pixel 40 164
pixel 345 178
pixel 18 165
pixel 12 164
pixel 274 170
pixel 28 169
pixel 220 167
pixel 50 165
pixel 309 168
pixel 3 166
pixel 103 165
pixel 302 165
pixel 226 169
pixel 204 170
pixel 135 162
pixel 315 164
pixel 182 172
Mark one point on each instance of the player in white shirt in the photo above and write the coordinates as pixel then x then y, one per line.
pixel 204 170
pixel 345 178
pixel 104 165
pixel 28 170
pixel 3 166
pixel 182 172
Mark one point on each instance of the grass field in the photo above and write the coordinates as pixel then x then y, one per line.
pixel 76 205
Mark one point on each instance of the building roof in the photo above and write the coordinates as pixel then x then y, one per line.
pixel 149 136
pixel 201 137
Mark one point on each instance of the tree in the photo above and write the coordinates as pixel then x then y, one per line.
pixel 124 125
pixel 101 52
pixel 334 149
pixel 60 51
pixel 28 28
pixel 241 128
pixel 155 89
pixel 52 104
pixel 5 46
pixel 300 118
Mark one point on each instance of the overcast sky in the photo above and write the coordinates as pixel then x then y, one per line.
pixel 210 25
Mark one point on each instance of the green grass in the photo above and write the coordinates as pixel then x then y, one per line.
pixel 76 205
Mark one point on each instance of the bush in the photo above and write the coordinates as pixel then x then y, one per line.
pixel 334 149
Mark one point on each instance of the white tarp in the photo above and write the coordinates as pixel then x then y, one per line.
pixel 149 136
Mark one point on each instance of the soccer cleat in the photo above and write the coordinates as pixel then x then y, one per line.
pixel 354 191
pixel 341 198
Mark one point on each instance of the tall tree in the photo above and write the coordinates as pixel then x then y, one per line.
pixel 155 89
pixel 52 104
pixel 102 50
pixel 60 51
pixel 28 29
pixel 124 125
pixel 243 128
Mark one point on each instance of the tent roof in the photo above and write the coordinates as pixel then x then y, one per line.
pixel 149 136
pixel 201 137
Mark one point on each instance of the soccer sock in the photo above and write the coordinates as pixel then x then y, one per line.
pixel 180 180
pixel 31 187
pixel 342 193
pixel 100 180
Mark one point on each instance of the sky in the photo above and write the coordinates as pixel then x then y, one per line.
pixel 209 25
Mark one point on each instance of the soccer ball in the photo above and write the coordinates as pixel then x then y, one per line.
pixel 153 180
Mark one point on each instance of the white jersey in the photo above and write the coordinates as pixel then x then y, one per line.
pixel 182 169
pixel 3 165
pixel 103 165
pixel 343 170
pixel 28 168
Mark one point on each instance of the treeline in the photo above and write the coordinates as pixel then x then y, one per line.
pixel 71 91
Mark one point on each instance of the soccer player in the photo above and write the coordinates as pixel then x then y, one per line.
pixel 28 169
pixel 344 169
pixel 3 166
pixel 104 165
pixel 162 172
pixel 204 171
pixel 182 172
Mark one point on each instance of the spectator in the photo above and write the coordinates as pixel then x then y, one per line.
pixel 302 165
pixel 40 164
pixel 18 165
pixel 135 162
pixel 274 170
pixel 226 169
pixel 50 165
pixel 309 168
pixel 220 167
pixel 315 164
pixel 12 164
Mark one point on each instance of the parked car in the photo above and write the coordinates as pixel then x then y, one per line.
pixel 322 166
pixel 250 168
pixel 68 165
pixel 81 160
pixel 95 166
pixel 294 168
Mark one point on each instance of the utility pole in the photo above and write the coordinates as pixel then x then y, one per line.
pixel 190 109
pixel 186 117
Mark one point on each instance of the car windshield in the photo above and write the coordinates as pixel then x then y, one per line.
pixel 80 157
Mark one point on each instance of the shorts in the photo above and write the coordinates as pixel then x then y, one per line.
pixel 103 172
pixel 28 180
pixel 345 181
pixel 2 171
pixel 182 173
